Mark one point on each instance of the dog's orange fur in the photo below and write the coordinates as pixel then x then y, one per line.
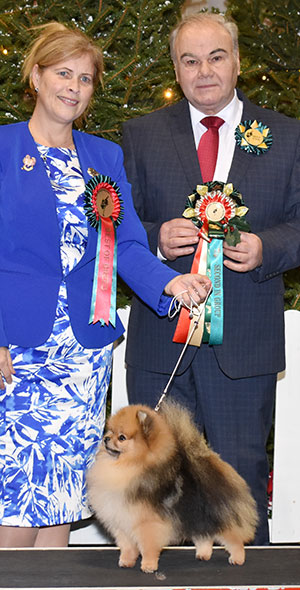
pixel 136 441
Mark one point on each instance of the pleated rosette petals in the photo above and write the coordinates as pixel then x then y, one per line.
pixel 218 210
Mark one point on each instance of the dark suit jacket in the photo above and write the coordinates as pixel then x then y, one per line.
pixel 162 165
pixel 30 265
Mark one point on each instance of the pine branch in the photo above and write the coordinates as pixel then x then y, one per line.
pixel 114 34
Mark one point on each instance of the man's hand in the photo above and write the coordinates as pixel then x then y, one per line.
pixel 177 237
pixel 6 366
pixel 246 255
pixel 190 287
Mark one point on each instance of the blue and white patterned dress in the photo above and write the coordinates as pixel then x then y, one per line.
pixel 55 408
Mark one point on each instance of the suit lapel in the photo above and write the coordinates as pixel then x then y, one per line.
pixel 241 161
pixel 239 166
pixel 184 144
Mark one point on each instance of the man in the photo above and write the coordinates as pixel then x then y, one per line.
pixel 229 387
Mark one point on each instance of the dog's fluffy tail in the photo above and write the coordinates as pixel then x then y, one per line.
pixel 187 434
pixel 219 477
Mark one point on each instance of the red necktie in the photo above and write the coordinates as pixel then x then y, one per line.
pixel 208 147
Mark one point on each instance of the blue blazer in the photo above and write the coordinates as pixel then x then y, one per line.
pixel 30 265
pixel 162 165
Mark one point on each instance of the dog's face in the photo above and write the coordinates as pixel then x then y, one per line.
pixel 128 432
pixel 137 433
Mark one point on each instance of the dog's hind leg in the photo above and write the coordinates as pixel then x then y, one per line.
pixel 204 547
pixel 233 543
pixel 128 550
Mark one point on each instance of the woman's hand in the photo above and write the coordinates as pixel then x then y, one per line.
pixel 6 366
pixel 192 288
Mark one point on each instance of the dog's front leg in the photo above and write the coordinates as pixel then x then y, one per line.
pixel 204 547
pixel 151 537
pixel 128 550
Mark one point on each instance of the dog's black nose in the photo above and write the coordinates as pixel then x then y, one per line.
pixel 106 439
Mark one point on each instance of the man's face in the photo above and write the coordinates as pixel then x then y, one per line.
pixel 206 67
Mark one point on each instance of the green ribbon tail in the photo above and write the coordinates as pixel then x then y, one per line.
pixel 216 298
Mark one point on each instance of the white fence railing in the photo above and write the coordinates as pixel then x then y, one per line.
pixel 285 523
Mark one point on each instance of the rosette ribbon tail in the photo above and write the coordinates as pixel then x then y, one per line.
pixel 103 305
pixel 104 210
pixel 185 322
pixel 218 210
pixel 215 326
pixel 208 260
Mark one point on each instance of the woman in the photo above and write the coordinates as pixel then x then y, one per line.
pixel 55 358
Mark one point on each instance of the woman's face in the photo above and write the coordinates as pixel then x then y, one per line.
pixel 64 89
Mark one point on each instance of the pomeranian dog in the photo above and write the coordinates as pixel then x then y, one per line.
pixel 156 482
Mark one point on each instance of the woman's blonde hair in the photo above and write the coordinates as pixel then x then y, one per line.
pixel 55 43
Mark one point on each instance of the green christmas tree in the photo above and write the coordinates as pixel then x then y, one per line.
pixel 133 36
pixel 269 38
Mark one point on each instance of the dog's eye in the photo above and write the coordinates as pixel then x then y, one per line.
pixel 121 437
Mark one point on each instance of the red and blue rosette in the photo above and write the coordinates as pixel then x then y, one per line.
pixel 104 210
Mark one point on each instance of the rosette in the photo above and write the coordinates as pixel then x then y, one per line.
pixel 218 210
pixel 104 210
pixel 253 137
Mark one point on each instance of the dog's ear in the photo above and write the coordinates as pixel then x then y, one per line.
pixel 145 420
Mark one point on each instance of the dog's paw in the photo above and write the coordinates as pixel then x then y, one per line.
pixel 148 570
pixel 203 549
pixel 127 562
pixel 204 555
pixel 149 567
pixel 237 557
pixel 128 556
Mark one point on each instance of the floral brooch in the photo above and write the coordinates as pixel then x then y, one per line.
pixel 28 163
pixel 253 137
